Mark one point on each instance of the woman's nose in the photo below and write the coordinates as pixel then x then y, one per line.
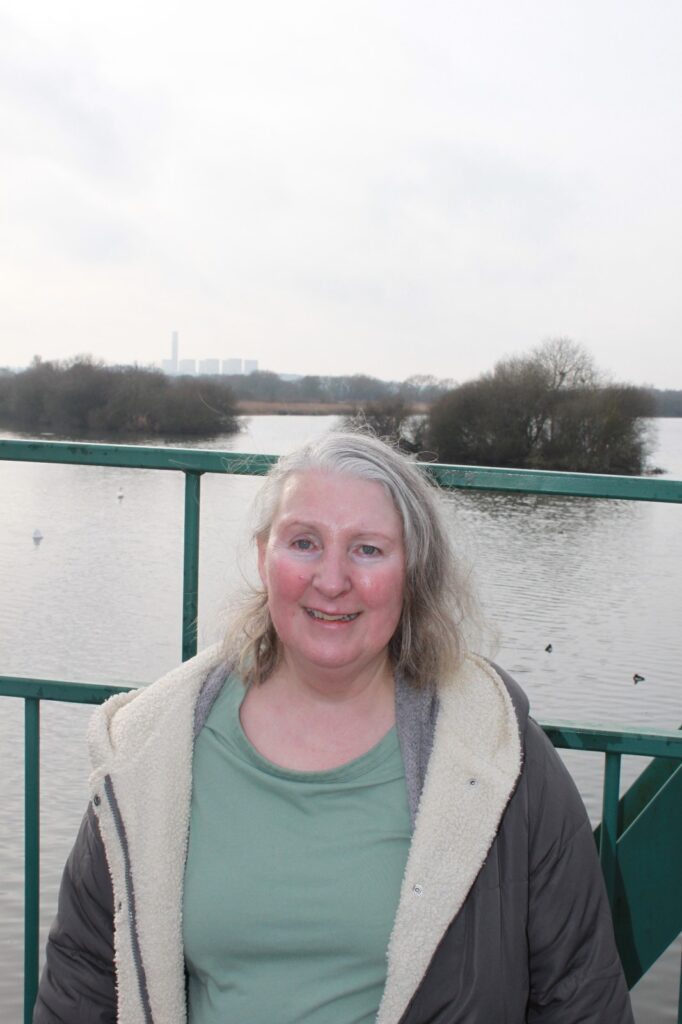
pixel 331 575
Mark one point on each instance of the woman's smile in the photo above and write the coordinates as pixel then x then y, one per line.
pixel 320 616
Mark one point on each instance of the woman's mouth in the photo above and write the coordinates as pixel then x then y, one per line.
pixel 319 616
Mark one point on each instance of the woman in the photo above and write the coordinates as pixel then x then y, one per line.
pixel 346 819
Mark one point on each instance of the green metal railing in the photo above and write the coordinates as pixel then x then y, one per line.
pixel 620 829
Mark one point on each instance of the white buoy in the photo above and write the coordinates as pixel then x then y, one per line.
pixel 37 536
pixel 120 494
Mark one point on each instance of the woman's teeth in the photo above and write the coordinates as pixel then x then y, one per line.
pixel 314 614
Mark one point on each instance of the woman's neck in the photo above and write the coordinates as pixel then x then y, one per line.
pixel 310 721
pixel 360 687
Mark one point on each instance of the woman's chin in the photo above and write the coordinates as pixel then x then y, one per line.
pixel 327 658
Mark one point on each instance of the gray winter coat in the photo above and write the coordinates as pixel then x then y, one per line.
pixel 502 916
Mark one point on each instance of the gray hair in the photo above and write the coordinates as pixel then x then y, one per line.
pixel 428 643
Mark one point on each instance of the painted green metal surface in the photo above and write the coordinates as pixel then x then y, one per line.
pixel 132 456
pixel 31 847
pixel 484 478
pixel 665 743
pixel 640 846
pixel 57 689
pixel 609 823
pixel 605 739
pixel 33 691
pixel 643 789
pixel 538 481
pixel 190 577
pixel 648 894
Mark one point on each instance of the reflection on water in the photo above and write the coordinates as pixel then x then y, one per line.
pixel 100 598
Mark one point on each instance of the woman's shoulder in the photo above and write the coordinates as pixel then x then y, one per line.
pixel 555 808
pixel 127 720
pixel 517 695
pixel 541 762
pixel 483 702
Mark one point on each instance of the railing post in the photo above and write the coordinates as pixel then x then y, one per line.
pixel 31 851
pixel 609 823
pixel 190 581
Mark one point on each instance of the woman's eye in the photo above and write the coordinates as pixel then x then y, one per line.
pixel 369 550
pixel 302 544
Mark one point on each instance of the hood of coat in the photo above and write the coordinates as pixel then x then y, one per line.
pixel 473 769
pixel 122 727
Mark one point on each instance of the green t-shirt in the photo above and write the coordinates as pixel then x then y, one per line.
pixel 292 880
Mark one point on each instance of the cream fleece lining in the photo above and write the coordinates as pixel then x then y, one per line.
pixel 474 764
pixel 156 828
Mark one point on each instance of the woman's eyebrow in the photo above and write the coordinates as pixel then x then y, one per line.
pixel 360 531
pixel 297 524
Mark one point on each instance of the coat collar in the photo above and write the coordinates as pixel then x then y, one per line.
pixel 472 771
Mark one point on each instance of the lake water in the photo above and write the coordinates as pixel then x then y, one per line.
pixel 99 599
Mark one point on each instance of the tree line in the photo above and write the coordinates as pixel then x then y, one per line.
pixel 358 388
pixel 83 396
pixel 550 408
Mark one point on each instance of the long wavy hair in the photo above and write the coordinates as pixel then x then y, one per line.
pixel 428 643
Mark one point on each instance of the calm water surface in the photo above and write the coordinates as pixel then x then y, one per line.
pixel 100 599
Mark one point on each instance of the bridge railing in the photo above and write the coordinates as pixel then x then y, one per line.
pixel 645 923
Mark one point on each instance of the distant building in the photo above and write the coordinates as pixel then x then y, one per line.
pixel 232 366
pixel 170 366
pixel 209 366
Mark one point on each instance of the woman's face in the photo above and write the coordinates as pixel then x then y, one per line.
pixel 334 570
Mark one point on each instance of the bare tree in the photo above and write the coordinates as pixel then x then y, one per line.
pixel 547 410
pixel 567 364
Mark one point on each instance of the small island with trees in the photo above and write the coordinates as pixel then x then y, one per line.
pixel 81 398
pixel 550 408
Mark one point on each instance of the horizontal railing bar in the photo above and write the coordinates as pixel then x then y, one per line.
pixel 615 740
pixel 59 690
pixel 540 481
pixel 483 478
pixel 131 456
pixel 566 735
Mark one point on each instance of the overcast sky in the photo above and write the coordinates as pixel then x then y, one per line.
pixel 340 187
